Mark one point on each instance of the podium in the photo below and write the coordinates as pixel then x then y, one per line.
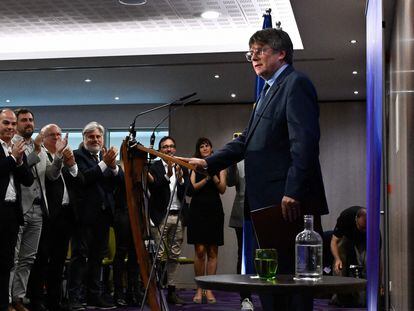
pixel 135 159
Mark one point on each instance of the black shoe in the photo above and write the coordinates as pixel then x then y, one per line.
pixel 38 306
pixel 173 299
pixel 120 302
pixel 75 305
pixel 99 303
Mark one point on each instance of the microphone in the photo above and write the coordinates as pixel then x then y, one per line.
pixel 183 104
pixel 132 132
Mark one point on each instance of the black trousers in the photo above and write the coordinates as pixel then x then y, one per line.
pixel 124 249
pixel 47 271
pixel 89 246
pixel 9 228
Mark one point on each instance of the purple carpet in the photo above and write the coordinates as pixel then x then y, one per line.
pixel 231 301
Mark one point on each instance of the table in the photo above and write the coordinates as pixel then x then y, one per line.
pixel 283 284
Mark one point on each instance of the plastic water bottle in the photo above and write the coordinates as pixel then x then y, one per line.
pixel 308 253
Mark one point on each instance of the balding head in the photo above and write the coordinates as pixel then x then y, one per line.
pixel 8 123
pixel 51 134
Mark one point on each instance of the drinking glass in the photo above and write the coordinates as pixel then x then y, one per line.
pixel 266 263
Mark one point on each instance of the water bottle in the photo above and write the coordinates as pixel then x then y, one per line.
pixel 308 251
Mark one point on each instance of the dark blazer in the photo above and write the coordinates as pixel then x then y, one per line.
pixel 160 191
pixel 21 174
pixel 97 192
pixel 281 147
pixel 54 191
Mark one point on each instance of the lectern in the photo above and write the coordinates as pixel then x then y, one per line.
pixel 135 158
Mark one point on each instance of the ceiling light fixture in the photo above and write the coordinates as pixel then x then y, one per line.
pixel 210 14
pixel 132 2
pixel 354 72
pixel 87 80
pixel 356 92
pixel 233 95
pixel 7 100
pixel 116 98
pixel 353 41
pixel 216 76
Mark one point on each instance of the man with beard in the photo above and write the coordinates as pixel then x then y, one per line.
pixel 90 240
pixel 13 172
pixel 62 198
pixel 34 204
pixel 163 178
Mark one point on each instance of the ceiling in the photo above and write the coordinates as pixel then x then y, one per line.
pixel 39 67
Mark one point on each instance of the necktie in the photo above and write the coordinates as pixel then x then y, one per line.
pixel 95 157
pixel 262 96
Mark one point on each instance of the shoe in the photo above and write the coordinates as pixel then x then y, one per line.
pixel 120 302
pixel 246 305
pixel 38 307
pixel 197 300
pixel 99 303
pixel 76 306
pixel 19 306
pixel 210 299
pixel 173 299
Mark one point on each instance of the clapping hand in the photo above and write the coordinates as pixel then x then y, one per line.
pixel 109 156
pixel 61 144
pixel 38 143
pixel 18 151
pixel 68 157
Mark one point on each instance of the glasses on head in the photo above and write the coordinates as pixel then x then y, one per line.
pixel 258 52
pixel 168 147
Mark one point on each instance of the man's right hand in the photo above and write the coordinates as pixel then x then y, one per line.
pixel 18 151
pixel 337 266
pixel 38 143
pixel 200 164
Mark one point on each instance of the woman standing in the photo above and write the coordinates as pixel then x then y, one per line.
pixel 206 219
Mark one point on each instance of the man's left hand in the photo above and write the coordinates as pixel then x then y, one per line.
pixel 61 144
pixel 290 209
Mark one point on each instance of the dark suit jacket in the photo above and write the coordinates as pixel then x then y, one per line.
pixel 21 174
pixel 54 192
pixel 160 192
pixel 280 147
pixel 98 187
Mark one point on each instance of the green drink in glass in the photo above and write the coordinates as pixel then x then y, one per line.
pixel 266 263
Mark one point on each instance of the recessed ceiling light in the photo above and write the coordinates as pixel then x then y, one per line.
pixel 210 14
pixel 233 95
pixel 353 41
pixel 132 2
pixel 7 100
pixel 354 72
pixel 116 98
pixel 356 92
pixel 216 76
pixel 87 80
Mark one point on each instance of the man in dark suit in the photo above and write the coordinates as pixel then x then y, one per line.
pixel 13 172
pixel 280 146
pixel 90 240
pixel 167 184
pixel 62 198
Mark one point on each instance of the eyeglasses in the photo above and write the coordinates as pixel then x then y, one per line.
pixel 168 146
pixel 259 52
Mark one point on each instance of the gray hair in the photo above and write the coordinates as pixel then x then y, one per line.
pixel 92 126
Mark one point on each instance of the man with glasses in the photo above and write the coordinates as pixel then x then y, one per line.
pixel 167 186
pixel 280 147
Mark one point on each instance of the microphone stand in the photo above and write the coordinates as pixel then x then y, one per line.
pixel 132 132
pixel 182 105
